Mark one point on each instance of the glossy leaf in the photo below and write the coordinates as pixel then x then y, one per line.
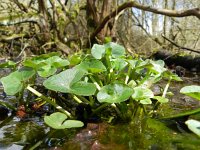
pixel 92 65
pixel 83 88
pixel 161 99
pixel 168 74
pixel 98 51
pixel 68 82
pixel 8 64
pixel 141 93
pixel 13 83
pixel 114 93
pixel 117 50
pixel 194 126
pixel 46 71
pixel 58 121
pixel 146 101
pixel 192 91
pixel 118 64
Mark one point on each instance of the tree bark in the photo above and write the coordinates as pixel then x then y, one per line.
pixel 167 12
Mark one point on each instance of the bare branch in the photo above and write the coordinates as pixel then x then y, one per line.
pixel 181 47
pixel 166 12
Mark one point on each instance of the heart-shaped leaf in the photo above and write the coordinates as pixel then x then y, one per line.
pixel 98 51
pixel 92 65
pixel 68 82
pixel 83 88
pixel 141 93
pixel 146 101
pixel 118 64
pixel 114 93
pixel 46 71
pixel 117 50
pixel 194 126
pixel 13 83
pixel 161 99
pixel 58 121
pixel 192 91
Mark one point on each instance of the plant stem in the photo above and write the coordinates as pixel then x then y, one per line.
pixel 166 88
pixel 77 99
pixel 7 105
pixel 49 101
pixel 95 83
pixel 100 108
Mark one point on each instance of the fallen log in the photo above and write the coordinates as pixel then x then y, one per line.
pixel 188 62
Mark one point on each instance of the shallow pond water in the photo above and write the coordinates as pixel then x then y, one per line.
pixel 150 134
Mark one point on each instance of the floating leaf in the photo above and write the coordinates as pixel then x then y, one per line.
pixel 58 121
pixel 194 126
pixel 141 93
pixel 98 51
pixel 114 93
pixel 192 91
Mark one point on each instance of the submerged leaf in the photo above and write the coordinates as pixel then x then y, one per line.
pixel 114 93
pixel 58 121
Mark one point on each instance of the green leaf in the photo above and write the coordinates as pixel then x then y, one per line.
pixel 58 121
pixel 114 93
pixel 8 64
pixel 168 74
pixel 161 99
pixel 192 91
pixel 158 66
pixel 46 71
pixel 194 126
pixel 118 64
pixel 13 83
pixel 46 65
pixel 117 50
pixel 146 101
pixel 141 93
pixel 75 59
pixel 68 82
pixel 92 65
pixel 57 62
pixel 83 88
pixel 98 51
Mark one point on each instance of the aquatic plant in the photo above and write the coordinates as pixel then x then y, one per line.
pixel 106 78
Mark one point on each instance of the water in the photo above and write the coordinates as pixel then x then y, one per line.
pixel 145 134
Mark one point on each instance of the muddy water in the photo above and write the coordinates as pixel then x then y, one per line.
pixel 150 134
